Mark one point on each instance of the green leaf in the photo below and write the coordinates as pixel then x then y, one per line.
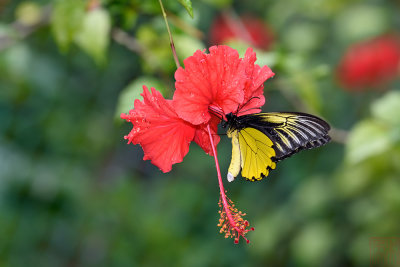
pixel 188 5
pixel 219 3
pixel 313 243
pixel 186 45
pixel 352 180
pixel 93 36
pixel 387 108
pixel 157 54
pixel 28 13
pixel 130 17
pixel 368 138
pixel 361 22
pixel 132 91
pixel 17 59
pixel 66 21
pixel 303 37
pixel 263 57
pixel 307 89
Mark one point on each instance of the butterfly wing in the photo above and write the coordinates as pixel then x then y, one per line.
pixel 293 132
pixel 260 140
pixel 252 152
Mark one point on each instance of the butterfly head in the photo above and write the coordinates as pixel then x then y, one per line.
pixel 230 120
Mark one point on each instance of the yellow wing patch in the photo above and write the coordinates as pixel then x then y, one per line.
pixel 252 152
pixel 236 161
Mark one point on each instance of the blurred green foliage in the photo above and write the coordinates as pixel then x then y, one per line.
pixel 72 193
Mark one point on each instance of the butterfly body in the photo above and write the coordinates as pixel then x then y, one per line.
pixel 260 140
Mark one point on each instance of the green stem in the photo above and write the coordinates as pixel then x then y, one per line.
pixel 171 41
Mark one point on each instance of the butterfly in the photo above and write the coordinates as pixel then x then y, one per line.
pixel 260 140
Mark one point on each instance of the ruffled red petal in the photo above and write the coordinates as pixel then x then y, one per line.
pixel 202 138
pixel 164 137
pixel 209 79
pixel 254 86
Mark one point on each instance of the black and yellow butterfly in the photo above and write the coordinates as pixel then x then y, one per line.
pixel 260 140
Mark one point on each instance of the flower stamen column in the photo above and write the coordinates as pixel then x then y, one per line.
pixel 231 221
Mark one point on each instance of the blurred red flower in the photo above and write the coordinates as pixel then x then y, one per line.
pixel 246 28
pixel 370 64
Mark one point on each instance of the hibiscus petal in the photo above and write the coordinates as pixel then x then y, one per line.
pixel 254 86
pixel 164 137
pixel 202 138
pixel 209 79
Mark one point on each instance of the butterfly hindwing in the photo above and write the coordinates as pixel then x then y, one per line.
pixel 252 152
pixel 257 154
pixel 260 140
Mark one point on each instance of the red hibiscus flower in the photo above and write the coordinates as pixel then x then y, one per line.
pixel 247 28
pixel 370 64
pixel 210 86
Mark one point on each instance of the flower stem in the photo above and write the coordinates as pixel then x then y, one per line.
pixel 171 40
pixel 221 185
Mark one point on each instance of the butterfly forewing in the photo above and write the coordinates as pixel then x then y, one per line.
pixel 292 132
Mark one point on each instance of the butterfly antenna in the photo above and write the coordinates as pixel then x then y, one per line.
pixel 216 112
pixel 248 101
pixel 242 111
